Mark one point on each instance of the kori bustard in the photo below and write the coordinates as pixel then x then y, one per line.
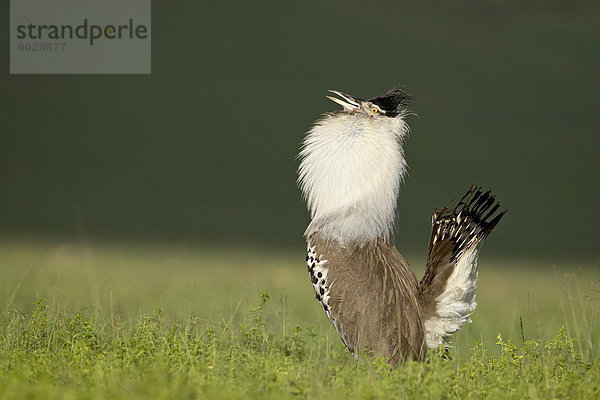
pixel 352 164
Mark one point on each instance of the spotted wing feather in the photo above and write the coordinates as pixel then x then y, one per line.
pixel 317 269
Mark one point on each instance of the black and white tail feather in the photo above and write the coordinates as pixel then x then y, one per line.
pixel 447 290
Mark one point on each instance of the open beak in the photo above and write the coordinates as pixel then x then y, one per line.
pixel 348 102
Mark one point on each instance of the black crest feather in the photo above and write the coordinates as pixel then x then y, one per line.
pixel 394 103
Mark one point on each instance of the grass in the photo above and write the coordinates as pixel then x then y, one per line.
pixel 130 321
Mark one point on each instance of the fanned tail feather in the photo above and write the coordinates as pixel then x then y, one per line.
pixel 447 290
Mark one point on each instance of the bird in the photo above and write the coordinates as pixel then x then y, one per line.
pixel 351 166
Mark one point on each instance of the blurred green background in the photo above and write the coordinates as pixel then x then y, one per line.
pixel 203 150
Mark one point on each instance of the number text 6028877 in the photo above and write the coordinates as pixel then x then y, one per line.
pixel 43 46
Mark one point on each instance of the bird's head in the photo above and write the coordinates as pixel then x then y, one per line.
pixel 351 166
pixel 391 105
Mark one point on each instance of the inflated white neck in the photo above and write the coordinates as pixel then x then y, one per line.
pixel 350 172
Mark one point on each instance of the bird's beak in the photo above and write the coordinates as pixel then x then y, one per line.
pixel 348 102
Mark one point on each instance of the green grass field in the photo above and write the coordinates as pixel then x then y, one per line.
pixel 83 321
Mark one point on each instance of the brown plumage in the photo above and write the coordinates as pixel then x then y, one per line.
pixel 372 298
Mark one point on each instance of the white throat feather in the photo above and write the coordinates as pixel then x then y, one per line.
pixel 350 172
